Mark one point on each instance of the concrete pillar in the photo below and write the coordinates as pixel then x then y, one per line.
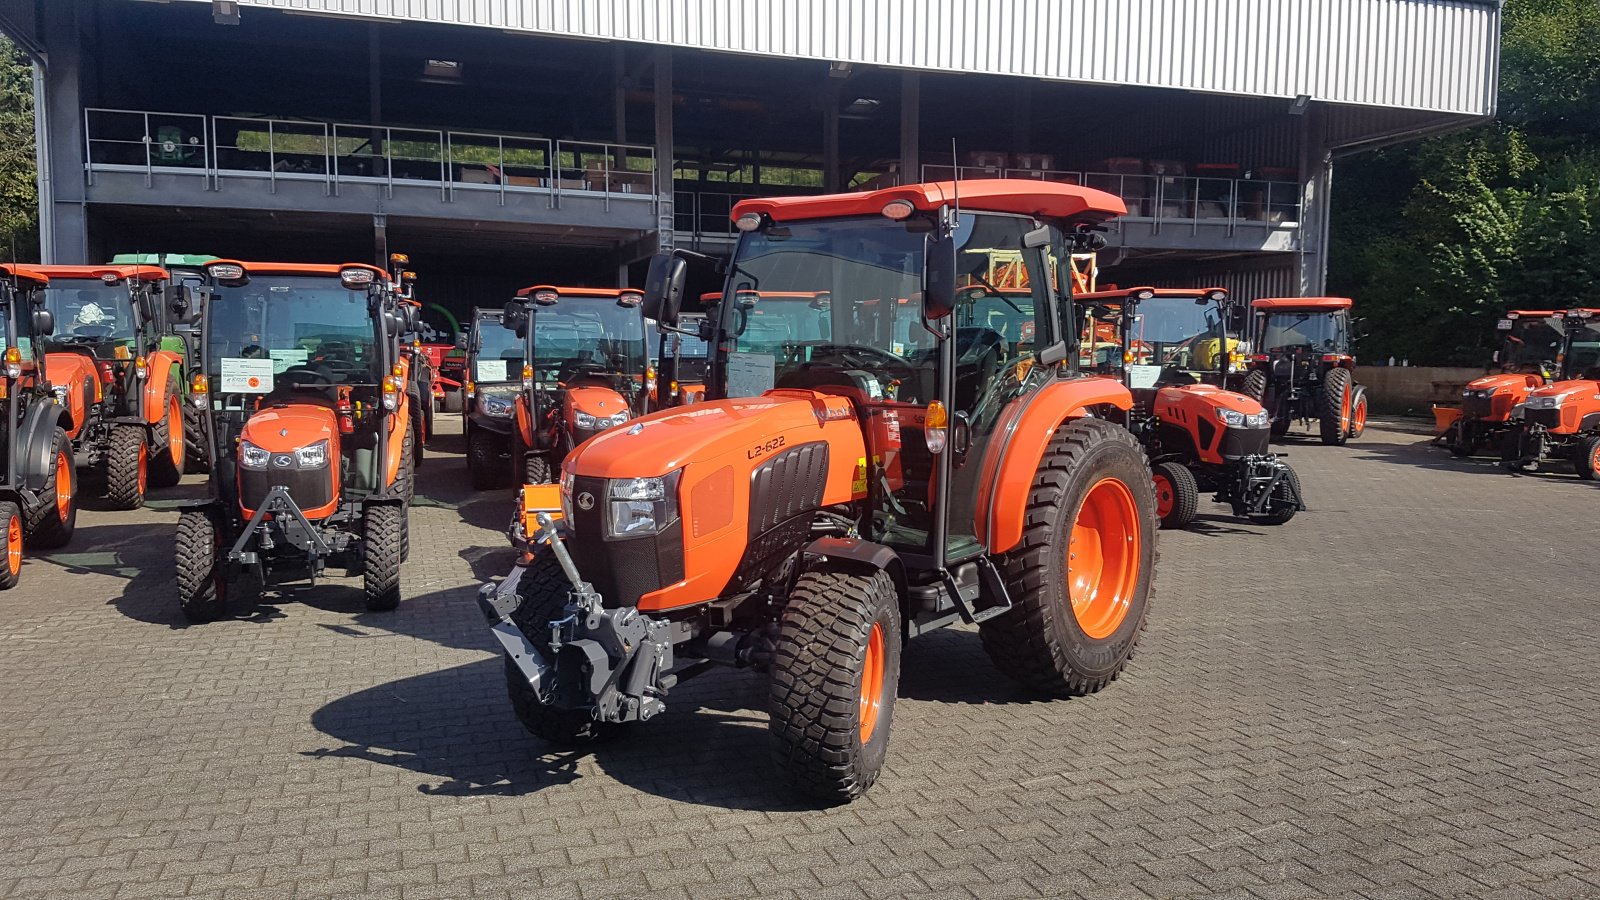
pixel 910 127
pixel 664 152
pixel 58 116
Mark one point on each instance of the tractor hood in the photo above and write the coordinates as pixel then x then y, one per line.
pixel 1193 396
pixel 600 402
pixel 730 432
pixel 283 429
pixel 1500 382
pixel 1567 391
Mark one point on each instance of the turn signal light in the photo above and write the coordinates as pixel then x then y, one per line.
pixel 527 377
pixel 13 362
pixel 936 427
pixel 141 368
pixel 199 387
pixel 391 393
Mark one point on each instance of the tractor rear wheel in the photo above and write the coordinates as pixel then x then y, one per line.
pixel 11 522
pixel 168 446
pixel 543 591
pixel 1080 579
pixel 1177 494
pixel 1587 462
pixel 1335 416
pixel 49 522
pixel 835 672
pixel 202 580
pixel 127 466
pixel 488 470
pixel 408 463
pixel 419 428
pixel 1358 412
pixel 1284 502
pixel 383 528
pixel 537 469
pixel 196 455
pixel 1255 385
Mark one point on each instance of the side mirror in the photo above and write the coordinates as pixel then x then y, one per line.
pixel 663 288
pixel 515 318
pixel 44 323
pixel 939 281
pixel 183 304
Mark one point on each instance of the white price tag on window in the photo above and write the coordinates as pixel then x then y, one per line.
pixel 1143 377
pixel 492 370
pixel 751 374
pixel 246 376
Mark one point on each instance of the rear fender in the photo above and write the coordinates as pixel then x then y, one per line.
pixel 33 452
pixel 524 420
pixel 1020 439
pixel 161 366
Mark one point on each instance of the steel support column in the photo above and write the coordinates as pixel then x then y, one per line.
pixel 1316 185
pixel 665 156
pixel 910 127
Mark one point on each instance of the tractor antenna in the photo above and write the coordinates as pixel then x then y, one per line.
pixel 955 166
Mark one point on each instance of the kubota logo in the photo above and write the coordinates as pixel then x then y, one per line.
pixel 586 501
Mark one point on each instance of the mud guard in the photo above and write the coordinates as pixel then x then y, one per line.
pixel 1021 437
pixel 160 367
pixel 38 444
pixel 861 553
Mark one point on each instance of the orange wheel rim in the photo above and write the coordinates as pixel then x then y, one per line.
pixel 1103 558
pixel 1361 414
pixel 175 431
pixel 14 544
pixel 144 467
pixel 1164 497
pixel 1594 461
pixel 63 484
pixel 1344 410
pixel 872 683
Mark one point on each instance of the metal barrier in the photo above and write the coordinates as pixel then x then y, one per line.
pixel 274 150
pixel 705 213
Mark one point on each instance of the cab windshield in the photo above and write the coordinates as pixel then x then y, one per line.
pixel 300 329
pixel 24 327
pixel 1532 345
pixel 90 311
pixel 1175 338
pixel 498 352
pixel 1583 354
pixel 592 336
pixel 1321 331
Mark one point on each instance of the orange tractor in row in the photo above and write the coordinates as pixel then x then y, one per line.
pixel 875 483
pixel 1175 356
pixel 304 390
pixel 1488 415
pixel 1303 368
pixel 1561 420
pixel 585 369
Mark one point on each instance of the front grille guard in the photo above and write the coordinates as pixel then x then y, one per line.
pixel 296 529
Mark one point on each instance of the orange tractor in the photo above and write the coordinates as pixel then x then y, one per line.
pixel 1561 420
pixel 38 484
pixel 880 483
pixel 1303 368
pixel 119 372
pixel 585 369
pixel 309 427
pixel 1528 359
pixel 1199 436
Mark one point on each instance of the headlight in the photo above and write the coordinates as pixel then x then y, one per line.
pixel 641 506
pixel 1483 394
pixel 312 457
pixel 592 423
pixel 1547 402
pixel 584 421
pixel 252 457
pixel 493 405
pixel 1232 418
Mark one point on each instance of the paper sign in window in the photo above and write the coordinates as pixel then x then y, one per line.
pixel 1143 377
pixel 246 376
pixel 751 374
pixel 492 370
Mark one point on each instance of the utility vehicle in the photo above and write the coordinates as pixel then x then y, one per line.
pixel 308 420
pixel 38 484
pixel 1199 437
pixel 585 369
pixel 120 371
pixel 1528 358
pixel 1561 420
pixel 881 483
pixel 1303 370
pixel 493 378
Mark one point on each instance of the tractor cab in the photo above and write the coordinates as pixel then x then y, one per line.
pixel 585 368
pixel 1161 337
pixel 309 426
pixel 1303 368
pixel 1532 342
pixel 1561 419
pixel 491 376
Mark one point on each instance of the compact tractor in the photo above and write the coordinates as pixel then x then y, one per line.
pixel 1561 420
pixel 308 420
pixel 1303 369
pixel 188 271
pixel 420 361
pixel 492 379
pixel 1199 436
pixel 1529 358
pixel 38 493
pixel 585 369
pixel 879 483
pixel 120 371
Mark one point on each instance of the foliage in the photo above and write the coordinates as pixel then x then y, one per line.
pixel 1437 239
pixel 19 198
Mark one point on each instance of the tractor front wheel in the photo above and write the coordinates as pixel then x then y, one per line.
pixel 201 577
pixel 1358 412
pixel 383 527
pixel 1080 579
pixel 1587 462
pixel 1463 438
pixel 1177 494
pixel 11 521
pixel 127 466
pixel 543 591
pixel 168 446
pixel 49 522
pixel 1335 413
pixel 835 673
pixel 196 455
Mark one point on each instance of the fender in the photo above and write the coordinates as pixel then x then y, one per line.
pixel 396 445
pixel 1021 435
pixel 160 366
pixel 78 375
pixel 862 554
pixel 33 452
pixel 524 419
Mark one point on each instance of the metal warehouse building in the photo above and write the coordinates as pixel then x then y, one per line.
pixel 503 142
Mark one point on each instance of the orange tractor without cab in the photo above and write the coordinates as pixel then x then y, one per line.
pixel 1529 359
pixel 881 482
pixel 308 421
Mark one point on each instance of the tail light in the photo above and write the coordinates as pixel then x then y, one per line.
pixel 141 368
pixel 1261 357
pixel 650 380
pixel 471 389
pixel 13 362
pixel 936 427
pixel 527 377
pixel 199 388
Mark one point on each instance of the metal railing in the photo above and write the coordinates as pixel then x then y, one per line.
pixel 705 213
pixel 1185 200
pixel 223 148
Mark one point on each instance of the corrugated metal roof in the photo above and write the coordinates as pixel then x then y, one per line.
pixel 1438 55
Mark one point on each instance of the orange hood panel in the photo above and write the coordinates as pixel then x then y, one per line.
pixel 1498 382
pixel 600 402
pixel 284 429
pixel 1191 396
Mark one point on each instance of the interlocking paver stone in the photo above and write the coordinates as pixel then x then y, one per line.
pixel 1392 696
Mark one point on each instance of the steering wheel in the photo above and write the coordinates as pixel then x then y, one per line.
pixel 863 356
pixel 92 331
pixel 313 376
pixel 571 370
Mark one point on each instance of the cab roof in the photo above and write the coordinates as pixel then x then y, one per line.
pixel 605 293
pixel 1288 303
pixel 312 269
pixel 162 259
pixel 716 296
pixel 24 273
pixel 1170 293
pixel 142 273
pixel 1042 199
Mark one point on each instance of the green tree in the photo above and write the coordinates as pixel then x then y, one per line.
pixel 1438 239
pixel 19 196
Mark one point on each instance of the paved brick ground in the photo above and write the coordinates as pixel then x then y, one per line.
pixel 1393 696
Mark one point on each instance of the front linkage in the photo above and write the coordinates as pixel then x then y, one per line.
pixel 1257 481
